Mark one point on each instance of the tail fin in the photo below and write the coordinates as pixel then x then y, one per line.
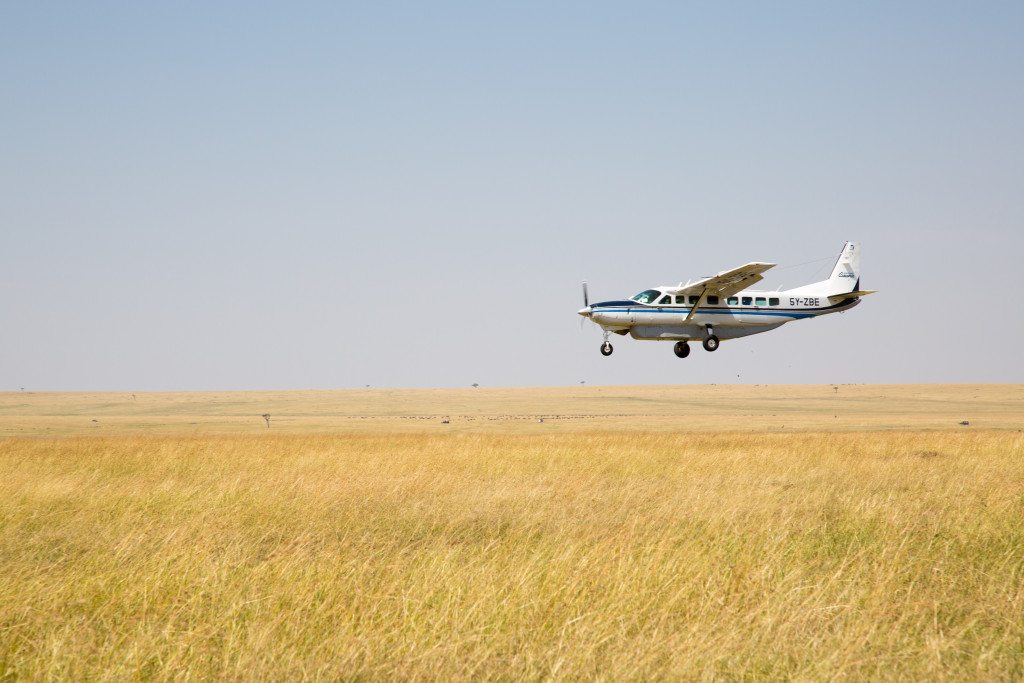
pixel 846 275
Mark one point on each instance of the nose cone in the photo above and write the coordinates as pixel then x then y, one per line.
pixel 585 312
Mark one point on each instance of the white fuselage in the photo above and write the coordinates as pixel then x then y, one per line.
pixel 746 313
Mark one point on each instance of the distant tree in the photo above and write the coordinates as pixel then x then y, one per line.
pixel 475 385
pixel 266 416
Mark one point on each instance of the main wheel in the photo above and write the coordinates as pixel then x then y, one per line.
pixel 682 349
pixel 710 343
pixel 606 349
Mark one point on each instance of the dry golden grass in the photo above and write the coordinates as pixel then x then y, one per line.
pixel 481 553
pixel 750 408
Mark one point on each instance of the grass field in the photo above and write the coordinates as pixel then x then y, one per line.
pixel 637 532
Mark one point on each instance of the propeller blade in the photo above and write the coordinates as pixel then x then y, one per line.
pixel 586 297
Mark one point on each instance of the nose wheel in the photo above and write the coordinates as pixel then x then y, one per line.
pixel 606 349
pixel 682 349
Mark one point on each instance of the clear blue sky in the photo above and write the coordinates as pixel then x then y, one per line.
pixel 289 195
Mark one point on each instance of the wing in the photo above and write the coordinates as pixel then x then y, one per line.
pixel 727 282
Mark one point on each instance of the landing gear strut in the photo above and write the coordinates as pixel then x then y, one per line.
pixel 682 349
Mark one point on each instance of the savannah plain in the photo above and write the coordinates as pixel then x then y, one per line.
pixel 684 532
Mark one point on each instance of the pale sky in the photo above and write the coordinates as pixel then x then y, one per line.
pixel 259 195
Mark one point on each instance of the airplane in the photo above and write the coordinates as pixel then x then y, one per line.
pixel 721 307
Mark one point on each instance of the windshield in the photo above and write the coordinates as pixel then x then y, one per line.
pixel 648 296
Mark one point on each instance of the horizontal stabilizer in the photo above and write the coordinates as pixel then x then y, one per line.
pixel 836 298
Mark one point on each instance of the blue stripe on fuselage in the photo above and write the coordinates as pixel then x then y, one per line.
pixel 707 311
pixel 630 306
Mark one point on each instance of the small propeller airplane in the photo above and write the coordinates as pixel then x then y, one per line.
pixel 721 307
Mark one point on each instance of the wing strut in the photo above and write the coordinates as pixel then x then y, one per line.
pixel 700 302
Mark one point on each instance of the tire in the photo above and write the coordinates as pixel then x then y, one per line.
pixel 711 343
pixel 606 349
pixel 682 349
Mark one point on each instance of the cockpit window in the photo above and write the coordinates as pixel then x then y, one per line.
pixel 665 300
pixel 648 296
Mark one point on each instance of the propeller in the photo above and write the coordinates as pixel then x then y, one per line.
pixel 585 311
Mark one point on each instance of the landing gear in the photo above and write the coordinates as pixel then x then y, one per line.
pixel 606 349
pixel 682 349
pixel 710 340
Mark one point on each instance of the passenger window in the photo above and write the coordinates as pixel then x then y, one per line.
pixel 694 299
pixel 732 301
pixel 713 300
pixel 665 300
pixel 760 301
pixel 746 301
pixel 773 301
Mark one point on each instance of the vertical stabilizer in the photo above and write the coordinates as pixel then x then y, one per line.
pixel 846 275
